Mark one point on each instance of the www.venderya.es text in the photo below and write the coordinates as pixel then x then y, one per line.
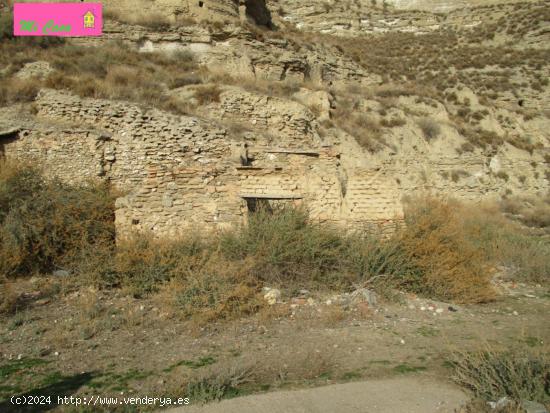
pixel 99 401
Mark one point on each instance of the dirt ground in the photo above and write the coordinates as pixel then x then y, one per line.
pixel 85 342
pixel 400 394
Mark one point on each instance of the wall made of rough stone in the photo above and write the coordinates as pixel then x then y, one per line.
pixel 72 155
pixel 179 172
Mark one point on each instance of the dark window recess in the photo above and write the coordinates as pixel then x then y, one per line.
pixel 201 3
pixel 135 221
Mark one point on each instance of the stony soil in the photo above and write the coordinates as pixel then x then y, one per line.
pixel 82 339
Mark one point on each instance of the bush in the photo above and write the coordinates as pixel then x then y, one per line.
pixel 206 94
pixel 219 290
pixel 533 212
pixel 505 242
pixel 491 374
pixel 143 264
pixel 218 383
pixel 285 248
pixel 451 267
pixel 18 91
pixel 44 224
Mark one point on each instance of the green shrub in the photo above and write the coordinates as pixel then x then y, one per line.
pixel 288 249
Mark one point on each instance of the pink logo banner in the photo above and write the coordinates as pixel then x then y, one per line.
pixel 57 19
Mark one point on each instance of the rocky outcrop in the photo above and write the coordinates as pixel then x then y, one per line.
pixel 183 10
pixel 235 51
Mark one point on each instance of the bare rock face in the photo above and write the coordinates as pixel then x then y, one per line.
pixel 212 10
pixel 438 6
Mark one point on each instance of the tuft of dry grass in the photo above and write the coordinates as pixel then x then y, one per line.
pixel 365 129
pixel 206 94
pixel 8 297
pixel 430 128
pixel 533 212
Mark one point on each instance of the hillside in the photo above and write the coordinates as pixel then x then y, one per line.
pixel 212 185
pixel 452 104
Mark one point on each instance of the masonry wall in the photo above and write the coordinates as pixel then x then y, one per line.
pixel 179 172
pixel 72 155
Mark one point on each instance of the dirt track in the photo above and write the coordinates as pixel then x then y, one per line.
pixel 399 395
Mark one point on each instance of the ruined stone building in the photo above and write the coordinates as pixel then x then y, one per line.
pixel 177 172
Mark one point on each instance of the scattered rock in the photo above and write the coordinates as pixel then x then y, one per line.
pixel 61 273
pixel 501 403
pixel 364 294
pixel 39 69
pixel 452 309
pixel 272 296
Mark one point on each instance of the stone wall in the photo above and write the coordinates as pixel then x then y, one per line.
pixel 180 172
pixel 74 155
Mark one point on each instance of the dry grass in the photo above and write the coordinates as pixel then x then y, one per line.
pixel 533 212
pixel 8 297
pixel 152 20
pixel 430 128
pixel 366 130
pixel 206 94
pixel 111 71
pixel 505 242
pixel 226 380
